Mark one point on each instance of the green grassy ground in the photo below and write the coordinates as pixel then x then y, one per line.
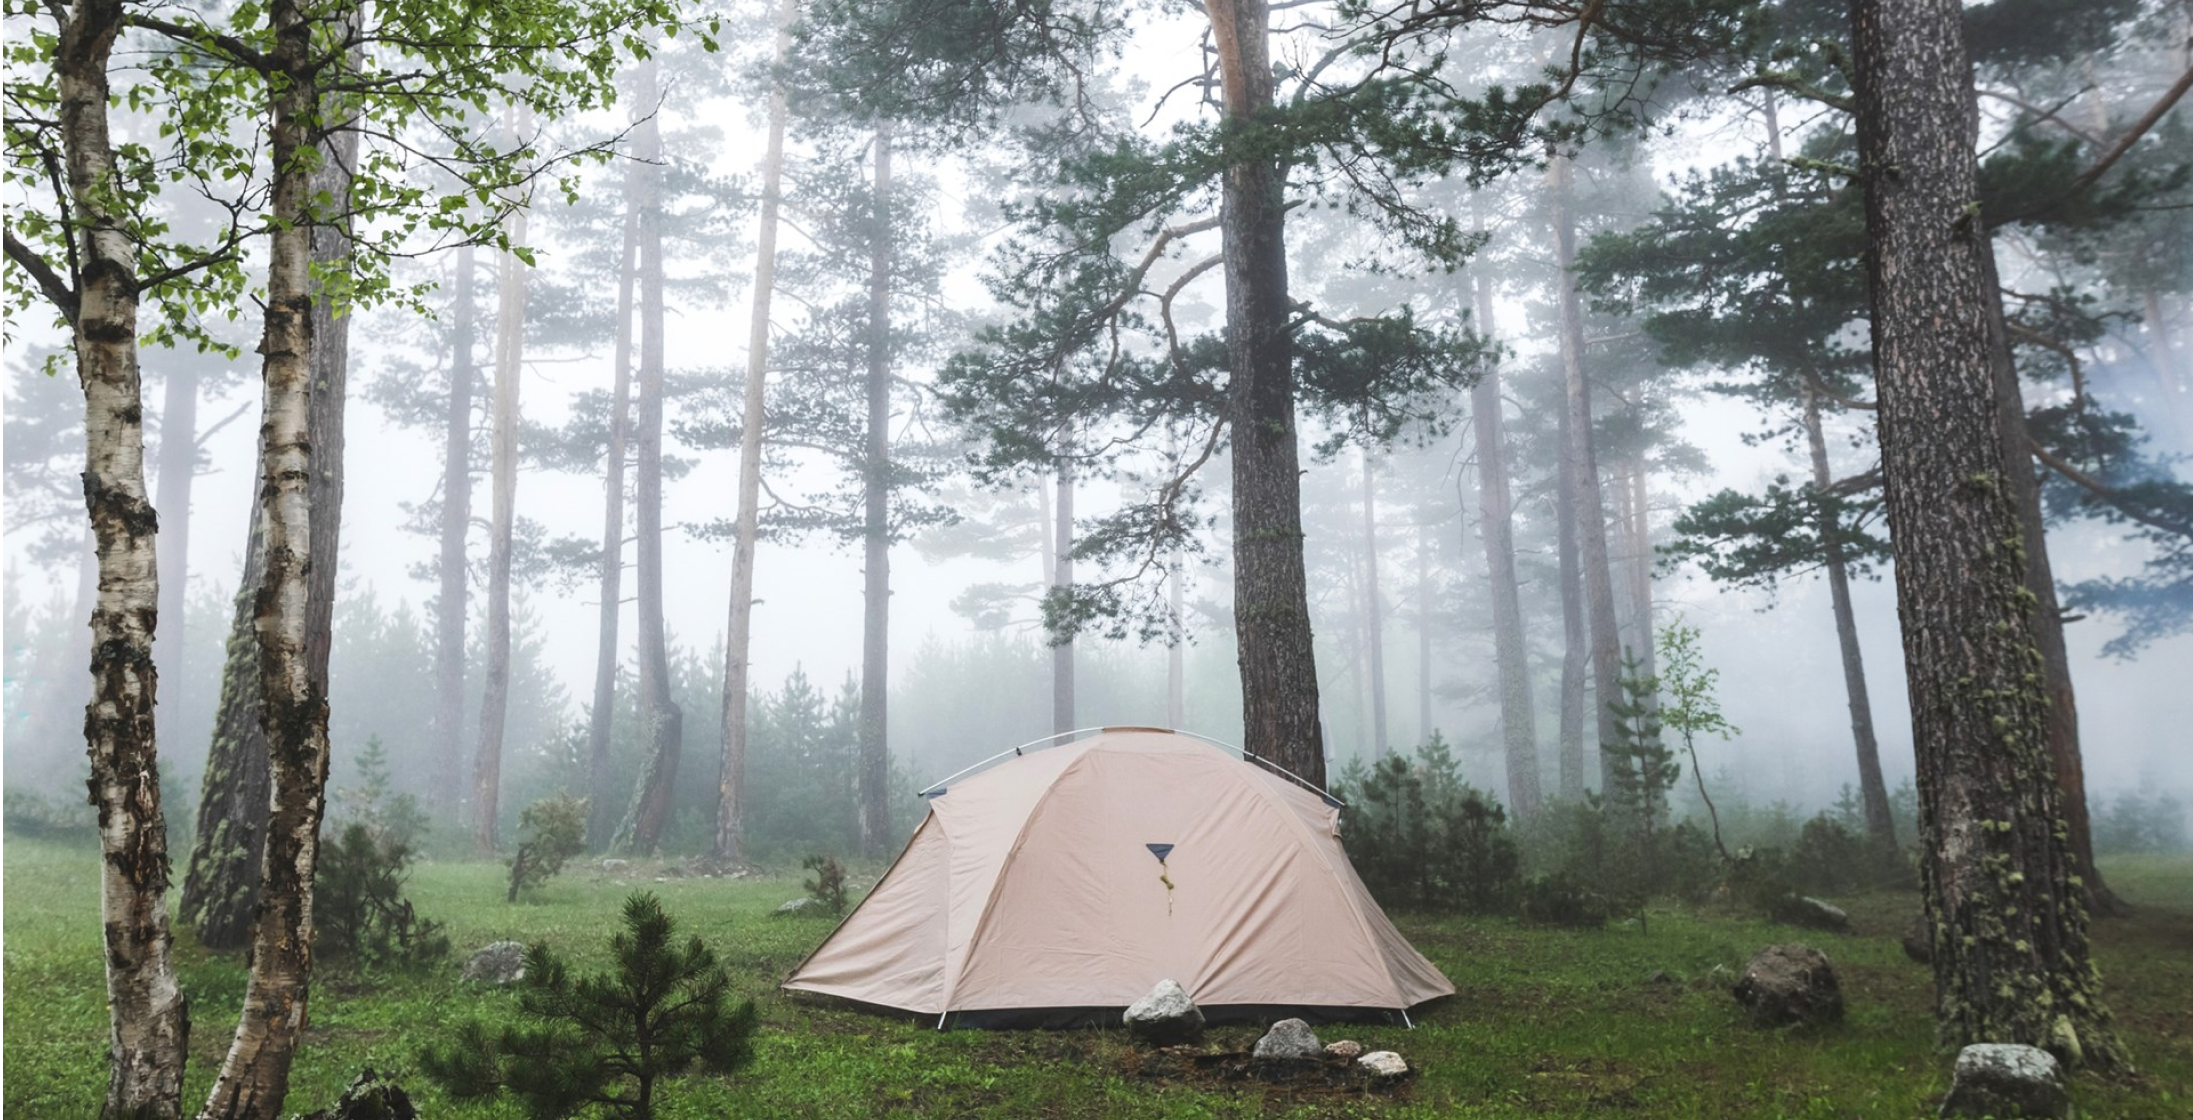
pixel 1547 1024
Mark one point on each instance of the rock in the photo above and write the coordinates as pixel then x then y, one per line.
pixel 1345 1048
pixel 368 1098
pixel 1659 976
pixel 1790 984
pixel 500 964
pixel 616 866
pixel 1165 1017
pixel 1384 1065
pixel 1811 913
pixel 801 907
pixel 1288 1040
pixel 2004 1080
pixel 1918 944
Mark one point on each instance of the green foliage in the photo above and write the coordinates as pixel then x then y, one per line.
pixel 2136 823
pixel 1423 839
pixel 1557 900
pixel 555 831
pixel 828 885
pixel 374 803
pixel 359 910
pixel 603 1042
pixel 34 817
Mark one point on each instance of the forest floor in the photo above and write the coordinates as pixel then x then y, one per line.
pixel 1547 1023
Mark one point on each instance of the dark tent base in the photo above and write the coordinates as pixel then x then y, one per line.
pixel 1074 1018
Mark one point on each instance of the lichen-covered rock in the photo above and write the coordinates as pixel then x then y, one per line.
pixel 1383 1065
pixel 1345 1048
pixel 500 964
pixel 1165 1017
pixel 801 907
pixel 616 866
pixel 1811 913
pixel 368 1098
pixel 2005 1080
pixel 1918 939
pixel 1288 1040
pixel 1786 984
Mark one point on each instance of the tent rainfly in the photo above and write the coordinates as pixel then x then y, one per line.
pixel 1062 885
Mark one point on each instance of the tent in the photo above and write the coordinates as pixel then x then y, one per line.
pixel 1061 885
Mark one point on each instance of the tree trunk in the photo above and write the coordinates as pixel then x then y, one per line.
pixel 1573 651
pixel 2170 378
pixel 1176 659
pixel 487 760
pixel 875 661
pixel 178 468
pixel 1518 718
pixel 452 597
pixel 1873 790
pixel 1062 577
pixel 148 1019
pixel 602 717
pixel 305 351
pixel 1279 705
pixel 739 635
pixel 1640 568
pixel 1586 503
pixel 1373 608
pixel 664 719
pixel 2011 961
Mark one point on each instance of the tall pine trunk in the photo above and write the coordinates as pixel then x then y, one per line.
pixel 1511 657
pixel 1374 607
pixel 305 356
pixel 663 719
pixel 1176 652
pixel 1573 640
pixel 1872 789
pixel 148 1023
pixel 1423 629
pixel 2011 961
pixel 1639 525
pixel 609 572
pixel 1062 578
pixel 1586 503
pixel 454 593
pixel 1279 702
pixel 739 639
pixel 487 759
pixel 178 468
pixel 875 660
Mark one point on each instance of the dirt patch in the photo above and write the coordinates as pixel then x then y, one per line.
pixel 1285 1083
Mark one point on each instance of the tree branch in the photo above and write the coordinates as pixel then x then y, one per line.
pixel 50 282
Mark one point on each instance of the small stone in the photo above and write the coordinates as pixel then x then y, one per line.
pixel 1288 1040
pixel 1165 1017
pixel 1345 1048
pixel 2004 1080
pixel 1811 913
pixel 1659 976
pixel 615 866
pixel 500 964
pixel 800 907
pixel 369 1098
pixel 1918 939
pixel 1385 1065
pixel 1790 984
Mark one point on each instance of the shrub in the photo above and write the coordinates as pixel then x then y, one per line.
pixel 1422 838
pixel 388 815
pixel 604 1041
pixel 1557 900
pixel 2131 825
pixel 359 910
pixel 555 831
pixel 828 885
pixel 33 817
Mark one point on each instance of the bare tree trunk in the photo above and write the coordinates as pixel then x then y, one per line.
pixel 1873 790
pixel 2170 376
pixel 875 663
pixel 510 293
pixel 1590 510
pixel 602 717
pixel 664 719
pixel 1062 576
pixel 1271 599
pixel 2011 961
pixel 1518 717
pixel 305 352
pixel 452 597
pixel 1176 660
pixel 1373 607
pixel 739 635
pixel 1573 651
pixel 1423 630
pixel 1640 568
pixel 148 1019
pixel 178 468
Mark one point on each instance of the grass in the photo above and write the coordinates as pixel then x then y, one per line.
pixel 1546 1023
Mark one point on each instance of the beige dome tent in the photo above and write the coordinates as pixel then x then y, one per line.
pixel 1066 882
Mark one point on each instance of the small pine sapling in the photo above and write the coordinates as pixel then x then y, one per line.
pixel 828 885
pixel 359 910
pixel 604 1042
pixel 1644 770
pixel 1689 708
pixel 555 831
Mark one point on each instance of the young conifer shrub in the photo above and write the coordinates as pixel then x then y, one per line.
pixel 828 885
pixel 604 1042
pixel 360 914
pixel 555 831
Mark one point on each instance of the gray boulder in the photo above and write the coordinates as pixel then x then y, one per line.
pixel 1345 1048
pixel 1787 984
pixel 1812 913
pixel 1165 1017
pixel 1918 944
pixel 500 964
pixel 616 866
pixel 1289 1040
pixel 2004 1080
pixel 1383 1065
pixel 801 908
pixel 368 1098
